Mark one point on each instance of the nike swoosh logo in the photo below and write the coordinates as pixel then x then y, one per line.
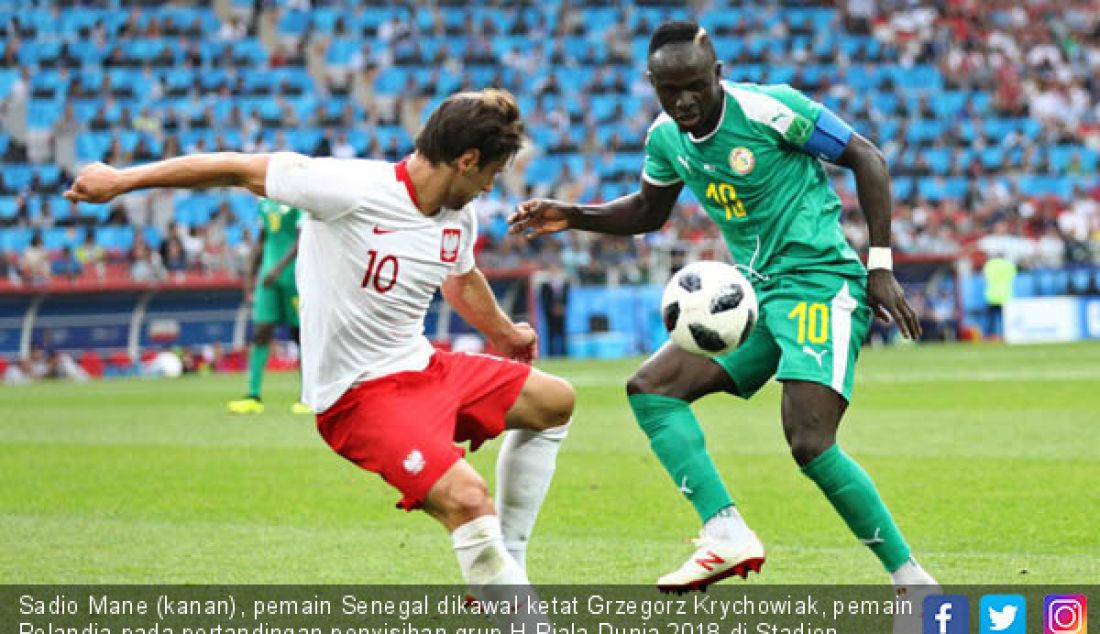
pixel 379 231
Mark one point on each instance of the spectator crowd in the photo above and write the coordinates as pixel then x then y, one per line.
pixel 987 111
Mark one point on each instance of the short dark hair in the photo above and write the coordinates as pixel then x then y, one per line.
pixel 679 32
pixel 488 120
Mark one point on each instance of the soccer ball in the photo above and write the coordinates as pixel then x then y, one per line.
pixel 708 308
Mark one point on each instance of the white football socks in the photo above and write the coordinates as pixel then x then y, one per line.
pixel 525 467
pixel 482 556
pixel 911 574
pixel 728 525
pixel 494 577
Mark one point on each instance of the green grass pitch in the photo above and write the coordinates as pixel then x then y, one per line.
pixel 988 456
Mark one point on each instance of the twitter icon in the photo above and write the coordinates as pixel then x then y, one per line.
pixel 1003 613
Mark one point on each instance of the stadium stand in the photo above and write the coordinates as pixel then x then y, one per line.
pixel 988 113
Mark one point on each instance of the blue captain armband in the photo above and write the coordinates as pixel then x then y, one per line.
pixel 829 138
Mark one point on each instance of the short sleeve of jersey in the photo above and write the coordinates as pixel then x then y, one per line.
pixel 802 122
pixel 466 261
pixel 325 188
pixel 658 168
pixel 793 117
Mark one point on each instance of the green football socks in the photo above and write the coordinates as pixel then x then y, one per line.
pixel 853 495
pixel 257 360
pixel 676 438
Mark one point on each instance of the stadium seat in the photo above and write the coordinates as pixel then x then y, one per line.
pixel 8 206
pixel 15 239
pixel 56 238
pixel 115 238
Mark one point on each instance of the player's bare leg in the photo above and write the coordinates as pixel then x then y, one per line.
pixel 257 361
pixel 460 501
pixel 660 394
pixel 811 416
pixel 538 423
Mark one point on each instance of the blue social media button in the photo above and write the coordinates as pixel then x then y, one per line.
pixel 946 614
pixel 1003 613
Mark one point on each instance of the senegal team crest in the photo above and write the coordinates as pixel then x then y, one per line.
pixel 448 249
pixel 742 160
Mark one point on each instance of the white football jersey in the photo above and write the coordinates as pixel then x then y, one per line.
pixel 368 265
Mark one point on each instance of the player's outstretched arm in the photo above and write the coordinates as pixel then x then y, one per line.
pixel 873 188
pixel 100 183
pixel 469 294
pixel 641 212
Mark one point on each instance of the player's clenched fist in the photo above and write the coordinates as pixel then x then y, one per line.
pixel 520 344
pixel 536 217
pixel 96 183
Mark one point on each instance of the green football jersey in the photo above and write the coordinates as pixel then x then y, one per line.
pixel 280 224
pixel 772 200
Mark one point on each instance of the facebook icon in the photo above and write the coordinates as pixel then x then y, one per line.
pixel 946 614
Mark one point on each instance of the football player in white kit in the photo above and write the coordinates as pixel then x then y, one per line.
pixel 378 241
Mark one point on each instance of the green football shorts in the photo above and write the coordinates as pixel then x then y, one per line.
pixel 275 304
pixel 810 328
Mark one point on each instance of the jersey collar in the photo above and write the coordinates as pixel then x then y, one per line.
pixel 402 171
pixel 718 126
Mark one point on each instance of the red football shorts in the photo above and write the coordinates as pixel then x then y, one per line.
pixel 404 426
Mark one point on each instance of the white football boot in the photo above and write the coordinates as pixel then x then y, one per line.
pixel 714 560
pixel 914 585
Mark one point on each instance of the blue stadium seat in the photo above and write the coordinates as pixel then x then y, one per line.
pixel 94 210
pixel 8 207
pixel 7 78
pixel 92 146
pixel 117 238
pixel 18 175
pixel 15 239
pixel 234 235
pixel 56 238
pixel 925 131
pixel 49 175
pixel 391 80
pixel 903 186
pixel 544 169
pixel 249 52
pixel 1051 281
pixel 1023 286
pixel 41 115
pixel 143 50
pixel 179 79
pixel 152 236
pixel 59 207
pixel 949 103
pixel 341 50
pixel 293 23
pixel 195 209
pixel 938 159
pixel 992 157
pixel 245 208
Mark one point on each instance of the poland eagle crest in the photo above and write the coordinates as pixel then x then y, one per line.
pixel 448 247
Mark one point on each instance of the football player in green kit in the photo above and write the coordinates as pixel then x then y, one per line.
pixel 751 153
pixel 274 297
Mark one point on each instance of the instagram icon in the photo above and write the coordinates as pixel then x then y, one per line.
pixel 1065 614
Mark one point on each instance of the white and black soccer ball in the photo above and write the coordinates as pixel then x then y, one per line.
pixel 708 308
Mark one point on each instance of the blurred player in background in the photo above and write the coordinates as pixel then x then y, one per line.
pixel 750 154
pixel 274 295
pixel 379 239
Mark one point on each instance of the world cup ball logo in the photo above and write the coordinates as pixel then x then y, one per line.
pixel 742 160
